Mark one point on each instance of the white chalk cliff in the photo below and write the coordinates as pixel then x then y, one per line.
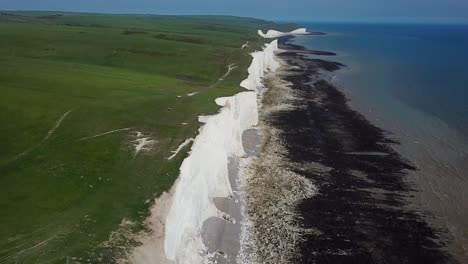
pixel 277 34
pixel 204 173
pixel 262 62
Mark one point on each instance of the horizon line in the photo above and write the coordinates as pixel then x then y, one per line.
pixel 376 20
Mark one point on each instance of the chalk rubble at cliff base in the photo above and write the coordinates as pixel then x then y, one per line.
pixel 273 191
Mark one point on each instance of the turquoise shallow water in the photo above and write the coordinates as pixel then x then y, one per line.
pixel 412 80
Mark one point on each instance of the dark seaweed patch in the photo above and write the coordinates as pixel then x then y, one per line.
pixel 361 214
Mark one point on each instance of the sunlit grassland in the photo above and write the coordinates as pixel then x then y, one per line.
pixel 61 197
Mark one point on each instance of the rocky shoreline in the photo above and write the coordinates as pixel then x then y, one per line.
pixel 334 189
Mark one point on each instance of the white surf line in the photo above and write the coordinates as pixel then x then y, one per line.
pixel 246 45
pixel 106 133
pixel 49 134
pixel 183 145
pixel 231 67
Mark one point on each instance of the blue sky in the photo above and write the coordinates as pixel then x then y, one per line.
pixel 298 10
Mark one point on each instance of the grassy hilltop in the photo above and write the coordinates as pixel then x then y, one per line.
pixel 66 77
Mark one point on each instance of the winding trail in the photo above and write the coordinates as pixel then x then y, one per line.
pixel 106 133
pixel 57 124
pixel 231 67
pixel 49 134
pixel 246 45
pixel 29 248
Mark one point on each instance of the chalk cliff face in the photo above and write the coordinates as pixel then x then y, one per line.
pixel 277 34
pixel 204 174
pixel 263 61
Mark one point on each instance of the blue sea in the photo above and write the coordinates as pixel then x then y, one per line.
pixel 412 81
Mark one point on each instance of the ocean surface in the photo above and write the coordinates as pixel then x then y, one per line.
pixel 412 81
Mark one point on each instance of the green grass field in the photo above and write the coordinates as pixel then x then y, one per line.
pixel 61 197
